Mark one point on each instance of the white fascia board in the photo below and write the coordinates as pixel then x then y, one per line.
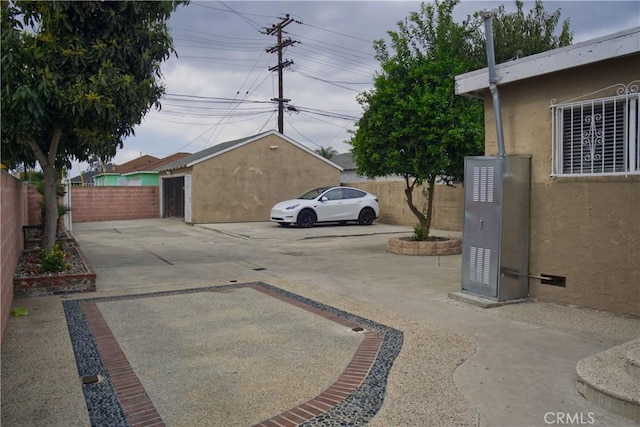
pixel 226 150
pixel 137 172
pixel 607 47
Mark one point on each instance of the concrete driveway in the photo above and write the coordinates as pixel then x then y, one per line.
pixel 457 364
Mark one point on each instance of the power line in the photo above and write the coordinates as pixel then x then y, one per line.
pixel 267 121
pixel 304 136
pixel 363 55
pixel 217 48
pixel 251 22
pixel 336 32
pixel 313 58
pixel 231 109
pixel 344 56
pixel 192 107
pixel 327 114
pixel 186 30
pixel 214 100
pixel 326 81
pixel 232 11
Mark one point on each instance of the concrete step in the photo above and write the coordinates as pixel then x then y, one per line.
pixel 610 379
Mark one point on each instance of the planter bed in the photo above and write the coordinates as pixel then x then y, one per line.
pixel 29 280
pixel 32 235
pixel 406 246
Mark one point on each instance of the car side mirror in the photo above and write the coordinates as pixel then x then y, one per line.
pixel 324 198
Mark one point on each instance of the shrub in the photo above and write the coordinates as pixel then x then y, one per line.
pixel 54 260
pixel 418 233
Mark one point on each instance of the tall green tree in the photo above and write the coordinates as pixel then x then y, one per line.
pixel 327 153
pixel 413 125
pixel 77 77
pixel 519 34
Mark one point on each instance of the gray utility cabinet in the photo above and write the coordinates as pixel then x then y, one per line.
pixel 495 249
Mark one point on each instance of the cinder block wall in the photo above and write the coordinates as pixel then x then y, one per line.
pixel 13 215
pixel 33 213
pixel 114 203
pixel 448 204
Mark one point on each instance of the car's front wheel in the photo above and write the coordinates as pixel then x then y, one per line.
pixel 306 218
pixel 366 217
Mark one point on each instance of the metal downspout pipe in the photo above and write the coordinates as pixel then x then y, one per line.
pixel 493 81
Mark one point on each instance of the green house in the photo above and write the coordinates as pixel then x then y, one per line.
pixel 146 178
pixel 108 180
pixel 138 172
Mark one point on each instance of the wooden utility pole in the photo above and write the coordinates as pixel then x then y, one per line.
pixel 276 29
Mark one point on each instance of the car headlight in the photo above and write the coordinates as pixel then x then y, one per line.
pixel 288 208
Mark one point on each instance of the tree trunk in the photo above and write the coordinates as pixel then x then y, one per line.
pixel 424 219
pixel 48 164
pixel 408 191
pixel 51 206
pixel 427 224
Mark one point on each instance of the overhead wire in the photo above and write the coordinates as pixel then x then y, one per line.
pixel 311 66
pixel 343 56
pixel 251 22
pixel 326 81
pixel 304 136
pixel 336 32
pixel 363 55
pixel 227 10
pixel 267 121
pixel 336 65
pixel 231 109
pixel 200 98
pixel 342 130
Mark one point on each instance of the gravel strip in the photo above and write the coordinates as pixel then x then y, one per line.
pixel 357 409
pixel 420 390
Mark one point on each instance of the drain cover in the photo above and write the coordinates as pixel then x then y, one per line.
pixel 357 329
pixel 90 379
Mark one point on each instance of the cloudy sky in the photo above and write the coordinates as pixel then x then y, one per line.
pixel 219 88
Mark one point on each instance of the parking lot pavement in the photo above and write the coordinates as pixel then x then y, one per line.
pixel 459 364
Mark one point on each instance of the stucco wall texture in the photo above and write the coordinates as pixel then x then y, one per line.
pixel 448 204
pixel 584 228
pixel 243 184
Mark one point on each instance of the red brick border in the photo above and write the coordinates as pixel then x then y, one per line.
pixel 135 402
pixel 140 411
pixel 347 383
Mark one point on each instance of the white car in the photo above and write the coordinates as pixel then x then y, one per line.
pixel 327 204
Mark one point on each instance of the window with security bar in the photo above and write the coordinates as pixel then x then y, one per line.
pixel 598 136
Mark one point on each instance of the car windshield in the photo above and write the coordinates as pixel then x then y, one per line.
pixel 312 194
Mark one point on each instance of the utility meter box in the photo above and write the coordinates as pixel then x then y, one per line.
pixel 495 249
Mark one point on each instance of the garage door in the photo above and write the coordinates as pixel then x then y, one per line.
pixel 173 197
